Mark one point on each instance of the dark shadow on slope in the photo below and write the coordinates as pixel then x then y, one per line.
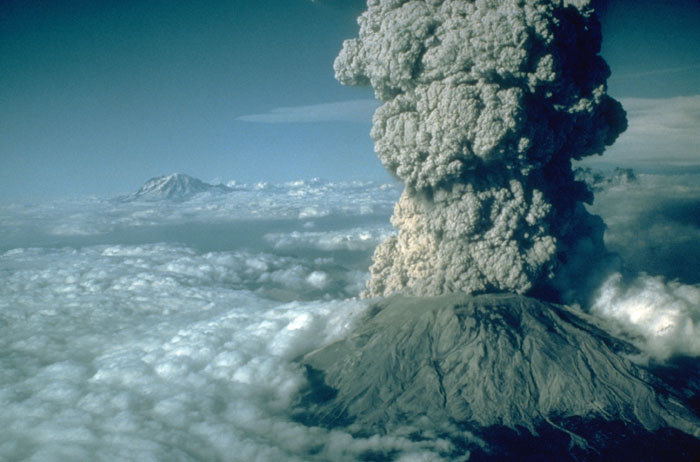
pixel 607 440
pixel 313 397
pixel 680 377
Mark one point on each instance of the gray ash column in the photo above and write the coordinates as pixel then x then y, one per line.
pixel 485 104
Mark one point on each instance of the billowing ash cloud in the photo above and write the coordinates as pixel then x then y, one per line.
pixel 485 104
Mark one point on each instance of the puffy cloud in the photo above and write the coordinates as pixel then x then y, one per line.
pixel 318 279
pixel 365 238
pixel 485 104
pixel 662 318
pixel 597 180
pixel 156 352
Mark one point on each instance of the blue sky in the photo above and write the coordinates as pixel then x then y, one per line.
pixel 97 97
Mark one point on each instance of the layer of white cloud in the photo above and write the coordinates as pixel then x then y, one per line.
pixel 661 131
pixel 357 111
pixel 307 200
pixel 352 239
pixel 149 352
pixel 677 117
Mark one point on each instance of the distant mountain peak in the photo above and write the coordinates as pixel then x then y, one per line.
pixel 176 186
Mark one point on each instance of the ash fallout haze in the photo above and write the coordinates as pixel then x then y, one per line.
pixel 483 245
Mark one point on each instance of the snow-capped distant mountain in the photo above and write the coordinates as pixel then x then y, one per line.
pixel 176 186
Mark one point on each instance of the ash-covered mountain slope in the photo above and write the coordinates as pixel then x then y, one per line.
pixel 176 186
pixel 496 371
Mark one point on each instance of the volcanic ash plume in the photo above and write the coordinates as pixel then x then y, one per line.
pixel 485 104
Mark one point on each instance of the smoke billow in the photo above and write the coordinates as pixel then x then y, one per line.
pixel 485 104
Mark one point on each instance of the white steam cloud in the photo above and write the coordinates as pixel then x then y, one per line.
pixel 662 317
pixel 485 104
pixel 653 222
